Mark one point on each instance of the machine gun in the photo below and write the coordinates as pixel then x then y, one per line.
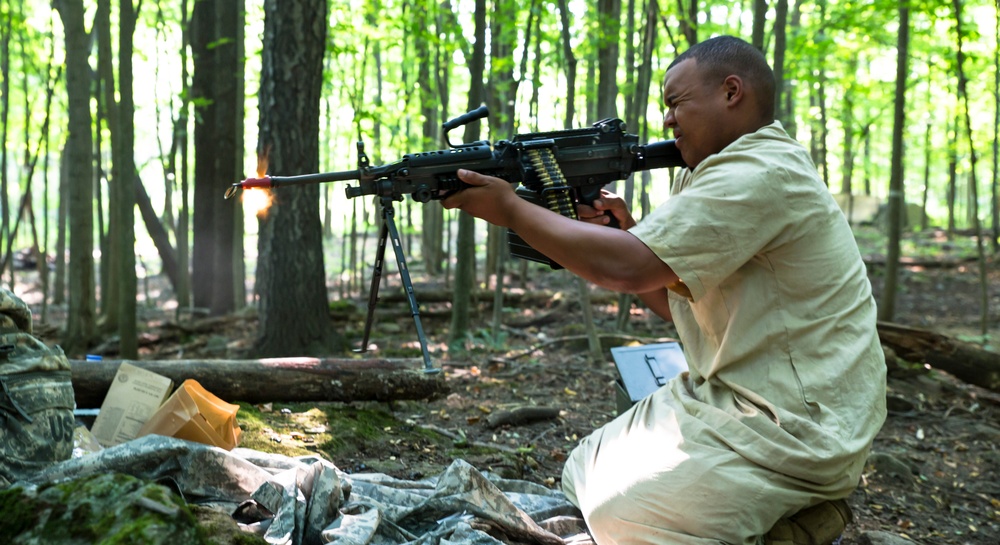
pixel 556 169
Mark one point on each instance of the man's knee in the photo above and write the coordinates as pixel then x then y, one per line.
pixel 619 519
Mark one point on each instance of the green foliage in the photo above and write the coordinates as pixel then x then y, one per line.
pixel 488 340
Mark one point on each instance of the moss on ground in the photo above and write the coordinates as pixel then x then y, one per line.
pixel 110 508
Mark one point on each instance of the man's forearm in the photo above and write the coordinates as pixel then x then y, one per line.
pixel 609 257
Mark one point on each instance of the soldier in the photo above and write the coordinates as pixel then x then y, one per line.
pixel 756 265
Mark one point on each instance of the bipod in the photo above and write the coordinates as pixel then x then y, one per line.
pixel 387 232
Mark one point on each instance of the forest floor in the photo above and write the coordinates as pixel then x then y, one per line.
pixel 932 476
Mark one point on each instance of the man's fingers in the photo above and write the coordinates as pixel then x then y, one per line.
pixel 471 177
pixel 459 199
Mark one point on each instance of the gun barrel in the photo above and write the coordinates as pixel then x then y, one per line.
pixel 660 155
pixel 322 177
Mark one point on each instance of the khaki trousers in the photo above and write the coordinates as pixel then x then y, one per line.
pixel 656 475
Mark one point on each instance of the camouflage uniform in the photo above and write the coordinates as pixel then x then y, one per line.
pixel 36 396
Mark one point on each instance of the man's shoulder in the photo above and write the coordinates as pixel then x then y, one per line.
pixel 767 151
pixel 772 136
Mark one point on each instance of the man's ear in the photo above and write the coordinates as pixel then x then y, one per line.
pixel 734 89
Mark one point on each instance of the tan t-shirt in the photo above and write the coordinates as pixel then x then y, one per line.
pixel 777 319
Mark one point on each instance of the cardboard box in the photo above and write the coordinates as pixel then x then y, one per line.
pixel 134 396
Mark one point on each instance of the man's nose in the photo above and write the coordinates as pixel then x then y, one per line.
pixel 669 120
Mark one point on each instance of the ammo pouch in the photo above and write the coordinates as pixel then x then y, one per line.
pixel 36 397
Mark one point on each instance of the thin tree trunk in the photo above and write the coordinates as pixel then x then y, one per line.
pixel 594 351
pixel 689 20
pixel 928 148
pixel 80 319
pixel 963 95
pixel 778 65
pixel 610 14
pixel 182 131
pixel 157 232
pixel 952 189
pixel 897 204
pixel 465 253
pixel 5 34
pixel 567 44
pixel 848 168
pixel 432 213
pixel 124 244
pixel 636 119
pixel 759 22
pixel 501 94
pixel 62 219
pixel 995 185
pixel 110 266
pixel 43 265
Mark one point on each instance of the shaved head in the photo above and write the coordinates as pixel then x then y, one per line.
pixel 723 56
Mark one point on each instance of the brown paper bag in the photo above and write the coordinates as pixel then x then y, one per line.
pixel 195 414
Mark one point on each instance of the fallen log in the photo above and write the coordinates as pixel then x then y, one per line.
pixel 280 380
pixel 966 361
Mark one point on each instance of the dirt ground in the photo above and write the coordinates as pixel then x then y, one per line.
pixel 932 476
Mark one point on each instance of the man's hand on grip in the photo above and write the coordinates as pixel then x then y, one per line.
pixel 488 198
pixel 597 212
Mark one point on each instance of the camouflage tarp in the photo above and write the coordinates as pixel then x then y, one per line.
pixel 308 500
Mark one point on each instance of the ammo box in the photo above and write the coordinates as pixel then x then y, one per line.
pixel 643 369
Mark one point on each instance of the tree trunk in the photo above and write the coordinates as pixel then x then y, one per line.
pixel 897 204
pixel 848 168
pixel 182 131
pixel 995 185
pixel 80 318
pixel 759 22
pixel 432 214
pixel 465 253
pixel 109 112
pixel 635 119
pixel 609 13
pixel 928 149
pixel 59 275
pixel 778 65
pixel 157 232
pixel 567 44
pixel 689 20
pixel 282 380
pixel 123 246
pixel 216 42
pixel 501 95
pixel 952 174
pixel 294 318
pixel 965 361
pixel 5 35
pixel 963 95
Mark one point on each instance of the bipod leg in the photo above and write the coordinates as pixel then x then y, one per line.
pixel 404 274
pixel 376 282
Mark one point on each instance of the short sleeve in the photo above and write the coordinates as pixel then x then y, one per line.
pixel 726 213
